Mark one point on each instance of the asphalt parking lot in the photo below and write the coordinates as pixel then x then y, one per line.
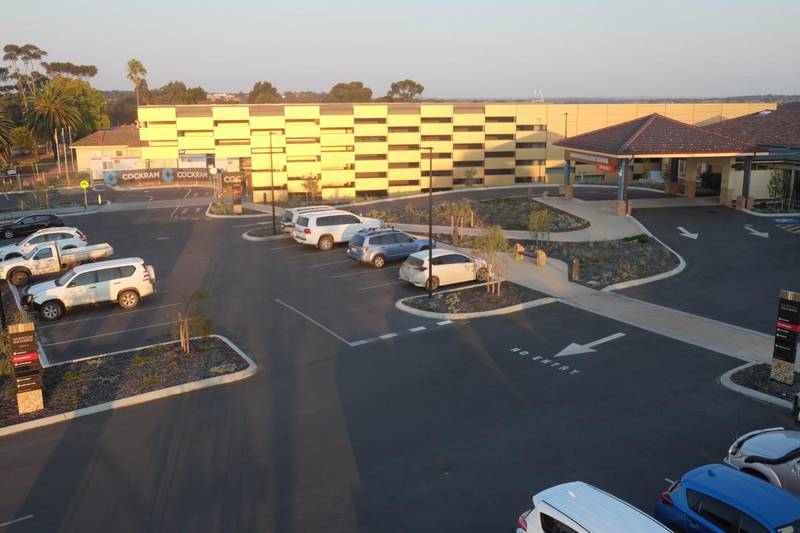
pixel 732 274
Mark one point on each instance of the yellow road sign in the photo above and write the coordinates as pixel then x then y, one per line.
pixel 85 184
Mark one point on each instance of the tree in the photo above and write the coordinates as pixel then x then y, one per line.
pixel 51 109
pixel 490 246
pixel 89 101
pixel 23 137
pixel 121 110
pixel 540 225
pixel 469 177
pixel 136 73
pixel 70 69
pixel 24 64
pixel 6 140
pixel 349 92
pixel 405 91
pixel 311 186
pixel 304 97
pixel 263 92
pixel 781 187
pixel 176 93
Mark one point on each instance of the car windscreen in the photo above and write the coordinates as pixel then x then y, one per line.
pixel 302 221
pixel 415 261
pixel 30 254
pixel 357 240
pixel 65 278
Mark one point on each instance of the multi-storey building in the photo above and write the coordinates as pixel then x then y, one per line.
pixel 379 149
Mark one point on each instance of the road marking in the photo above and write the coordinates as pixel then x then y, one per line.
pixel 198 209
pixel 329 264
pixel 188 193
pixel 110 315
pixel 248 225
pixel 4 524
pixel 749 228
pixel 444 322
pixel 419 328
pixel 163 238
pixel 685 233
pixel 359 343
pixel 172 215
pixel 313 321
pixel 381 285
pixel 120 332
pixel 388 336
pixel 184 211
pixel 371 271
pixel 284 247
pixel 575 348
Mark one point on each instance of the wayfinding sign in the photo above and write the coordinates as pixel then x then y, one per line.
pixel 787 334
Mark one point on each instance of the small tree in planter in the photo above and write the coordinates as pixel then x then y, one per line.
pixel 540 224
pixel 490 246
pixel 311 186
pixel 195 320
pixel 469 177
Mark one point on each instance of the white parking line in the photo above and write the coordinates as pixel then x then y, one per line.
pixel 418 328
pixel 111 315
pixel 120 332
pixel 388 336
pixel 313 321
pixel 163 238
pixel 248 225
pixel 198 209
pixel 188 193
pixel 444 322
pixel 4 524
pixel 284 247
pixel 329 264
pixel 363 272
pixel 398 282
pixel 184 210
pixel 307 254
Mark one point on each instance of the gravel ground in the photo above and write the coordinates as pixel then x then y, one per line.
pixel 756 377
pixel 475 299
pixel 94 381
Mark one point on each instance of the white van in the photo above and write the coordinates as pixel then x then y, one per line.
pixel 290 215
pixel 323 229
pixel 581 508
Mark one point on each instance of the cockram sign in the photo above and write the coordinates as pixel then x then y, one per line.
pixel 151 176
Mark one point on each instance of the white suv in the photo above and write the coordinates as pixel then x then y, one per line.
pixel 65 239
pixel 124 281
pixel 290 215
pixel 323 229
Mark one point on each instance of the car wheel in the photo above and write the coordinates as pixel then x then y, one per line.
pixel 128 299
pixel 8 234
pixel 19 277
pixel 432 283
pixel 378 261
pixel 52 310
pixel 482 275
pixel 325 243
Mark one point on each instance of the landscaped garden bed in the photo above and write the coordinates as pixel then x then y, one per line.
pixel 756 377
pixel 94 381
pixel 264 231
pixel 474 299
pixel 511 213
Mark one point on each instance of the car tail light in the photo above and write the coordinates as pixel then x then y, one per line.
pixel 307 231
pixel 81 236
pixel 666 498
pixel 522 522
pixel 146 275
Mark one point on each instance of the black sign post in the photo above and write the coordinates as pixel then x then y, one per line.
pixel 787 334
pixel 27 367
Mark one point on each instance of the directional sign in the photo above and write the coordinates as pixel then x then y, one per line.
pixel 685 233
pixel 84 184
pixel 575 349
pixel 752 231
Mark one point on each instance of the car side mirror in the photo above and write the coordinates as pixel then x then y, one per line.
pixel 71 285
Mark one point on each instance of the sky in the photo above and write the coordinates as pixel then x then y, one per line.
pixel 455 48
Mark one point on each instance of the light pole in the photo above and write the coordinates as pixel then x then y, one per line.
pixel 430 219
pixel 272 185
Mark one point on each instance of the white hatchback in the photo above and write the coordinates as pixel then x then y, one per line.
pixel 581 508
pixel 65 239
pixel 124 281
pixel 323 229
pixel 448 267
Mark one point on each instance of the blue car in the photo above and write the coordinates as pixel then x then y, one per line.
pixel 720 499
pixel 380 245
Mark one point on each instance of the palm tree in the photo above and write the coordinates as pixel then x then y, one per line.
pixel 136 73
pixel 51 109
pixel 5 135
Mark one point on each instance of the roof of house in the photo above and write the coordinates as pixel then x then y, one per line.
pixel 127 135
pixel 655 134
pixel 767 128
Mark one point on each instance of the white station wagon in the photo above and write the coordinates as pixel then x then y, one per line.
pixel 323 229
pixel 124 281
pixel 448 267
pixel 65 239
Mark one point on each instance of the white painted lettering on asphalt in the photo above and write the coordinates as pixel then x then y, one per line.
pixel 555 365
pixel 514 349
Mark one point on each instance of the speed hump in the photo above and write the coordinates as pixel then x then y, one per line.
pixel 84 184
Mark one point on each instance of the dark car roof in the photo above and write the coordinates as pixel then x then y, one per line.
pixel 754 496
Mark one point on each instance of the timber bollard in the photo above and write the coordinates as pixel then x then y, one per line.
pixel 575 271
pixel 541 258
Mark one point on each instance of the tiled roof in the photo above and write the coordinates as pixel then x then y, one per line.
pixel 127 135
pixel 655 134
pixel 765 128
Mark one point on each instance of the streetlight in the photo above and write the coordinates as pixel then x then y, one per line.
pixel 430 219
pixel 272 184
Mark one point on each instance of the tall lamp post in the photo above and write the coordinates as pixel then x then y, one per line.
pixel 430 219
pixel 272 185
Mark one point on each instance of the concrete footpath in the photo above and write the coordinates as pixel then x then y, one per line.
pixel 713 335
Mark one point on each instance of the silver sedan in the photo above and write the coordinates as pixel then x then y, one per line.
pixel 771 454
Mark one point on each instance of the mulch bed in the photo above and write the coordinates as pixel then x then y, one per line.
pixel 756 377
pixel 474 299
pixel 260 232
pixel 86 383
pixel 510 213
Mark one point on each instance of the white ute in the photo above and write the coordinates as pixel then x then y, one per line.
pixel 45 258
pixel 323 229
pixel 124 281
pixel 65 239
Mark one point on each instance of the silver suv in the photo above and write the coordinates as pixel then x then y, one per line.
pixel 380 245
pixel 771 454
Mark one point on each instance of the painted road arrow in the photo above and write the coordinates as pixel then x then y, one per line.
pixel 575 349
pixel 685 233
pixel 752 231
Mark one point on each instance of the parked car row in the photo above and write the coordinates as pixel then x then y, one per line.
pixel 370 242
pixel 756 491
pixel 86 274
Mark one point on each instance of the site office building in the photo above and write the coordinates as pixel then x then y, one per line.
pixel 379 149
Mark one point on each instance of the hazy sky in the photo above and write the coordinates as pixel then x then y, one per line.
pixel 455 48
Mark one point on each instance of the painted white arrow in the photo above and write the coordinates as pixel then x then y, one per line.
pixel 575 349
pixel 752 231
pixel 685 233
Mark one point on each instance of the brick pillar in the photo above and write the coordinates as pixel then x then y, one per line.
pixel 691 177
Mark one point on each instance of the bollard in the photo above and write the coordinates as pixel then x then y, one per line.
pixel 575 271
pixel 796 409
pixel 541 258
pixel 518 249
pixel 99 199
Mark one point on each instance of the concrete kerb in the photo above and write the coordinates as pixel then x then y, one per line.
pixel 466 316
pixel 252 367
pixel 210 215
pixel 727 382
pixel 650 279
pixel 771 215
pixel 247 237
